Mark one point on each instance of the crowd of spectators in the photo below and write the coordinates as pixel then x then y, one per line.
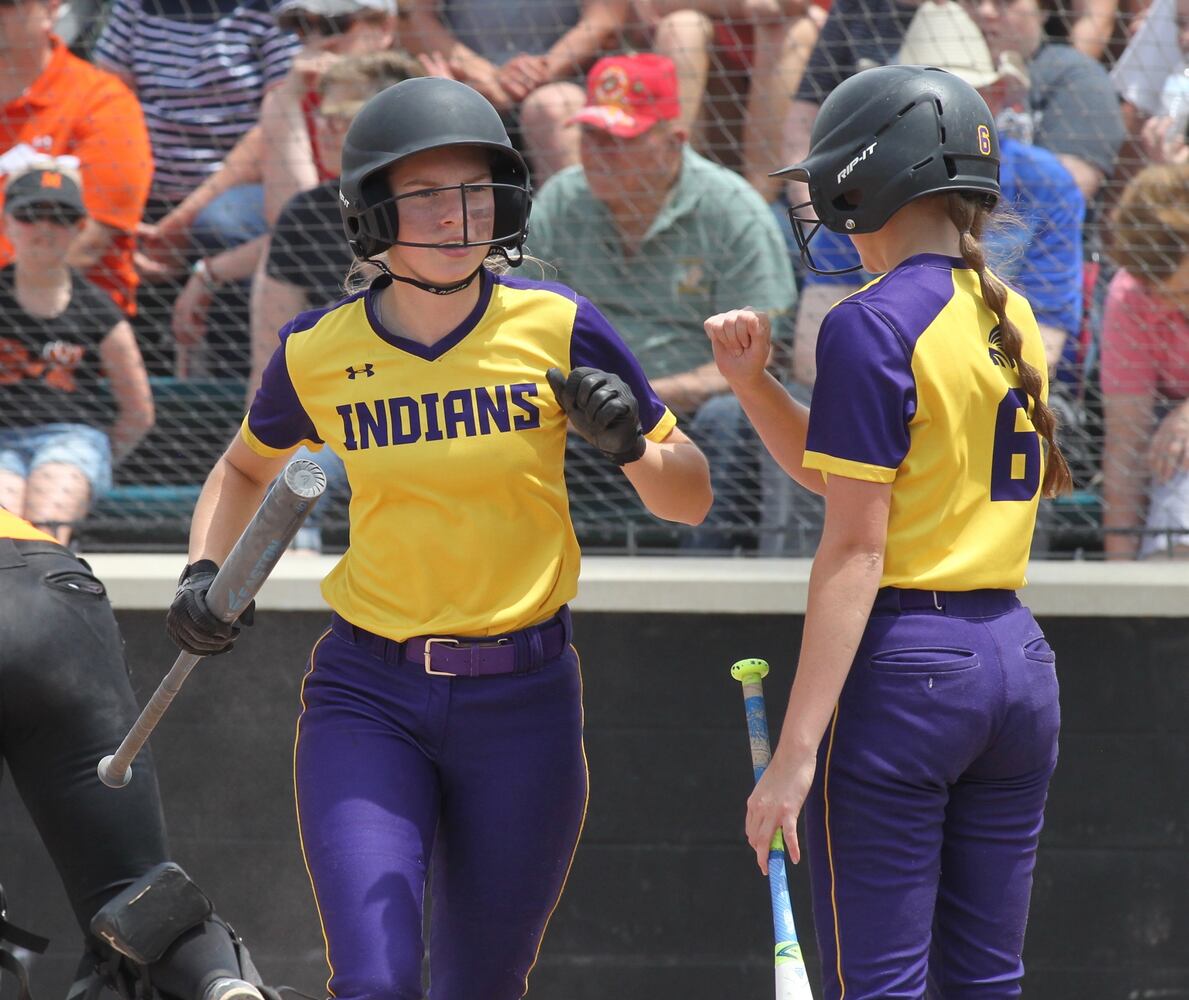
pixel 170 199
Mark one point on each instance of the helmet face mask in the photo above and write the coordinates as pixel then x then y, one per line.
pixel 887 136
pixel 493 214
pixel 805 227
pixel 417 116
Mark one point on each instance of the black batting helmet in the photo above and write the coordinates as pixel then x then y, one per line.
pixel 889 135
pixel 414 116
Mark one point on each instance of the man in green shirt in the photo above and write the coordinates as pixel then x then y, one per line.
pixel 659 238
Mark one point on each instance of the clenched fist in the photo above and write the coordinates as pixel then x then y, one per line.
pixel 602 409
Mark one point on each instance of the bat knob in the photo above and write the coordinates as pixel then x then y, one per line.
pixel 110 778
pixel 753 669
pixel 305 478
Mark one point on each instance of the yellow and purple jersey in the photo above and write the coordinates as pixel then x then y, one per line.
pixel 914 389
pixel 455 452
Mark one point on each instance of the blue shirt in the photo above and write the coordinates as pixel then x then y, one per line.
pixel 1039 254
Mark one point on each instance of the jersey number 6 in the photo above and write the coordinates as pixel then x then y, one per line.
pixel 1015 462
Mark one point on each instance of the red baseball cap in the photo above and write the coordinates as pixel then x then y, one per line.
pixel 627 95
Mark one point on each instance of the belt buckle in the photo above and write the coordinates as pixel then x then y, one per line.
pixel 428 667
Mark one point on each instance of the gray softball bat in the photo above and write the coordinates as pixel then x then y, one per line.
pixel 241 576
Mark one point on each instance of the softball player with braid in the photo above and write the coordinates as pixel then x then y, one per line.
pixel 921 730
pixel 442 715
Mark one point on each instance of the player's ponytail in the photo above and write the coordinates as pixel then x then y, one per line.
pixel 969 213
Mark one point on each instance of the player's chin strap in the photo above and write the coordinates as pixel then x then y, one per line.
pixel 514 257
pixel 15 947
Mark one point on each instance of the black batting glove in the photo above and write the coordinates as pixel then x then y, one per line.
pixel 191 624
pixel 602 409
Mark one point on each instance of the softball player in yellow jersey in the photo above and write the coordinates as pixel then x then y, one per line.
pixel 442 716
pixel 921 730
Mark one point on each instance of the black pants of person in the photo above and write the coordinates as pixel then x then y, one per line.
pixel 65 702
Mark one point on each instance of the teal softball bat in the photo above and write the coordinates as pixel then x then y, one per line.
pixel 792 981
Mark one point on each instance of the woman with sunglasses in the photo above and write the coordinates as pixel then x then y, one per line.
pixel 60 337
pixel 442 712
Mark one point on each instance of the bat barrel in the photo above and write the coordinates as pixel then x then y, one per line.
pixel 750 673
pixel 266 538
pixel 757 728
pixel 255 555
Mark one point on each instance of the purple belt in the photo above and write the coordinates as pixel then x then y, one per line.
pixel 520 652
pixel 958 603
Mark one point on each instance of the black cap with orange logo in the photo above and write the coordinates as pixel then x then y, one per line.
pixel 44 187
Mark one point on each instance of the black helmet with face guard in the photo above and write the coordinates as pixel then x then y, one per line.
pixel 887 136
pixel 412 117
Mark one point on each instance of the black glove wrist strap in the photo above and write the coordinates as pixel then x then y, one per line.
pixel 633 454
pixel 194 569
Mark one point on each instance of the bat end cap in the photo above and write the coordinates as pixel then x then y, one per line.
pixel 752 669
pixel 305 478
pixel 110 778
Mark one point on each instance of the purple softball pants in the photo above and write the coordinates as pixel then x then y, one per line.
pixel 923 820
pixel 484 777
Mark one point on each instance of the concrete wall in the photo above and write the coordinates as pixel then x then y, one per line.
pixel 664 900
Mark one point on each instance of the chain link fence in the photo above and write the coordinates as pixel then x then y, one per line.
pixel 208 174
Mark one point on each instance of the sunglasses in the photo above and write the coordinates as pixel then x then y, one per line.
pixel 340 114
pixel 305 25
pixel 59 215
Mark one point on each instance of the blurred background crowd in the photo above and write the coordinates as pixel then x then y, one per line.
pixel 170 201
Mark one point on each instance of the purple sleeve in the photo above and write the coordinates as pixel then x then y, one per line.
pixel 595 344
pixel 864 396
pixel 276 418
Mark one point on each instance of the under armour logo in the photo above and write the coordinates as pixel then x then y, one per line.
pixel 368 369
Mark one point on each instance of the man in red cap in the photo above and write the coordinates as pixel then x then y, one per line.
pixel 659 238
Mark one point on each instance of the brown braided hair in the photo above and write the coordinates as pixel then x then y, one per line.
pixel 969 212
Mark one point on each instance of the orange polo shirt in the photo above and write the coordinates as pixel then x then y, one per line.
pixel 12 526
pixel 75 109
